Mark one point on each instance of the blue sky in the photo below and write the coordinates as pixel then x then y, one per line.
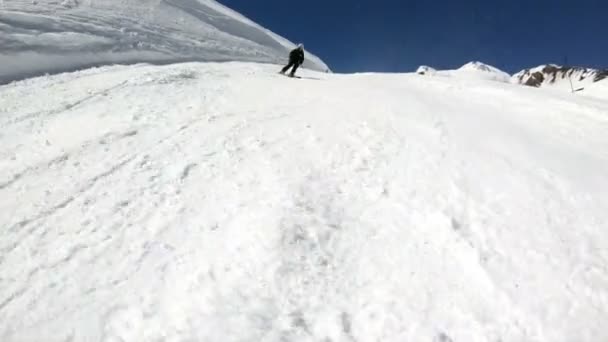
pixel 400 35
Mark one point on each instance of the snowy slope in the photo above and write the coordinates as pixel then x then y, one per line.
pixel 220 202
pixel 564 78
pixel 40 36
pixel 471 71
pixel 597 89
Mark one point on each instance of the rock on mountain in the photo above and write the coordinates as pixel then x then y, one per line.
pixel 559 76
pixel 45 36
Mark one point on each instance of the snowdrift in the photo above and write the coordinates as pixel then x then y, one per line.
pixel 47 36
pixel 222 202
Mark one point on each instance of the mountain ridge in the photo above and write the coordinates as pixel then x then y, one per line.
pixel 550 74
pixel 546 75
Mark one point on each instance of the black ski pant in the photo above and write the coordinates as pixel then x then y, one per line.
pixel 293 64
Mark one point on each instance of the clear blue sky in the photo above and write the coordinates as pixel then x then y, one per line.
pixel 400 35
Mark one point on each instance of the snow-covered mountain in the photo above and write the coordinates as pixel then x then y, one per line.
pixel 472 70
pixel 552 75
pixel 585 81
pixel 484 71
pixel 223 202
pixel 40 36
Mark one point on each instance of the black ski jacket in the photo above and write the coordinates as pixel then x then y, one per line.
pixel 296 56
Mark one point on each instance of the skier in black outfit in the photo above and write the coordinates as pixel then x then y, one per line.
pixel 296 58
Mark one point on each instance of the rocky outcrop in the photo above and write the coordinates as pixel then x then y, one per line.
pixel 551 74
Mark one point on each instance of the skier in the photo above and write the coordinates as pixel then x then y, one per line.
pixel 296 58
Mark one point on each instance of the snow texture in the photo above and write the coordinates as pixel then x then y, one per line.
pixel 49 36
pixel 223 202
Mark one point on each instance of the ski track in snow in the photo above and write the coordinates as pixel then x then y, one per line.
pixel 221 202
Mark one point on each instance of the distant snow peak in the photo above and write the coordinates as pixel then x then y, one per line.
pixel 471 70
pixel 475 65
pixel 484 71
pixel 556 75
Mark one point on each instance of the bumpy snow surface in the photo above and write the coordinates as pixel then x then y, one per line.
pixel 224 202
pixel 47 36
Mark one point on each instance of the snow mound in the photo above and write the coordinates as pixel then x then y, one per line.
pixel 223 202
pixel 561 77
pixel 426 70
pixel 48 36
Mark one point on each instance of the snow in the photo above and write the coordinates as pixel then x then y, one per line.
pixel 484 71
pixel 50 36
pixel 470 71
pixel 426 70
pixel 598 90
pixel 223 202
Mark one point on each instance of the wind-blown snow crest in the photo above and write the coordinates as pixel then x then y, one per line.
pixel 223 202
pixel 44 36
